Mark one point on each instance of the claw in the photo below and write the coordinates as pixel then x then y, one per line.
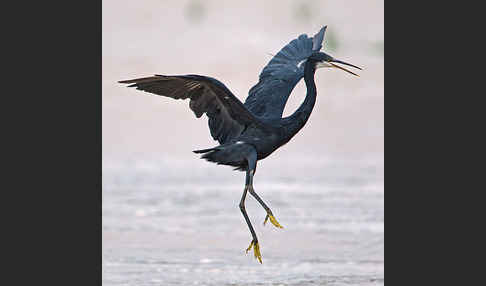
pixel 273 220
pixel 256 250
pixel 249 247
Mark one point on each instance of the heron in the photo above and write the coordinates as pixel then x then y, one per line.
pixel 249 132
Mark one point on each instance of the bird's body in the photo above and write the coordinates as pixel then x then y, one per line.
pixel 265 136
pixel 251 131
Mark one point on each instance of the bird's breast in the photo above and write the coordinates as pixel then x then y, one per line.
pixel 265 141
pixel 266 145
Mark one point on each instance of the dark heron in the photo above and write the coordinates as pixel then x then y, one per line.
pixel 251 131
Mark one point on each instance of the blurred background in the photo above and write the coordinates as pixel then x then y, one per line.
pixel 170 218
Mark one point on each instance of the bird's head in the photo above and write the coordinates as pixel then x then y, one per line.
pixel 323 60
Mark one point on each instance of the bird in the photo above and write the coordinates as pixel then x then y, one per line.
pixel 249 132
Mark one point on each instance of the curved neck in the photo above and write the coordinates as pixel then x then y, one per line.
pixel 297 120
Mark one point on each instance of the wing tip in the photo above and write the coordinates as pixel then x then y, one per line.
pixel 318 39
pixel 140 80
pixel 202 151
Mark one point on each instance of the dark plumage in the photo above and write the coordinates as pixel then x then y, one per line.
pixel 251 131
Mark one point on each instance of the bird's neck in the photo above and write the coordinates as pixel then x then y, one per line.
pixel 298 119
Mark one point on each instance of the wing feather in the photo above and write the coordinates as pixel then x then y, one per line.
pixel 278 78
pixel 227 116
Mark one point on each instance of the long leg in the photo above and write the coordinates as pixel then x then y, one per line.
pixel 251 159
pixel 262 203
pixel 254 242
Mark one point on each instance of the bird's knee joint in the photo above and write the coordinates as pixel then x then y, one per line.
pixel 242 206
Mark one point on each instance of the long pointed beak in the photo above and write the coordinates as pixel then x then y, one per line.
pixel 344 63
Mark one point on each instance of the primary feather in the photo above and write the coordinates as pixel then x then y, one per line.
pixel 227 116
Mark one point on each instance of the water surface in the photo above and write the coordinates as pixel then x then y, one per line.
pixel 163 225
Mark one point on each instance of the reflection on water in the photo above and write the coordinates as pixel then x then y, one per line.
pixel 164 227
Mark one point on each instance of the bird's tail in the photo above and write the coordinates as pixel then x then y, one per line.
pixel 229 154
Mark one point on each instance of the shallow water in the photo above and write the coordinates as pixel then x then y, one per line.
pixel 165 225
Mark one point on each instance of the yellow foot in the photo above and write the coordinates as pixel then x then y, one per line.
pixel 272 220
pixel 256 250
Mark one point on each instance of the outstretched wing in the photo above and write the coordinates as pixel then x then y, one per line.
pixel 268 97
pixel 228 117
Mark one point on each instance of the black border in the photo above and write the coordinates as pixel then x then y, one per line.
pixel 52 130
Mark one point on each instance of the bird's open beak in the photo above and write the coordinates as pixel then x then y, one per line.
pixel 331 62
